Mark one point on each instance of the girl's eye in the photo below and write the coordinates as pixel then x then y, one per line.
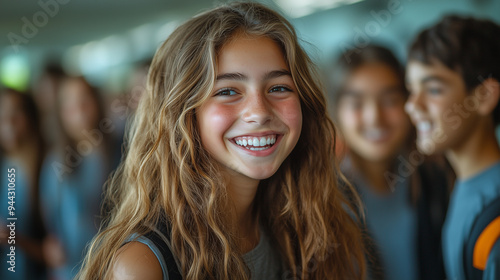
pixel 226 92
pixel 280 89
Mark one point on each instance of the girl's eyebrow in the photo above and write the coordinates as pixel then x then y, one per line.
pixel 231 76
pixel 242 77
pixel 276 74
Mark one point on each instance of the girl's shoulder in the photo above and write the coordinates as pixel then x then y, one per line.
pixel 155 250
pixel 135 260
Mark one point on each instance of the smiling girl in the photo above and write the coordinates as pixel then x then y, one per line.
pixel 230 171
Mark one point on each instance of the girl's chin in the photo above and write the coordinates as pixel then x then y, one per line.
pixel 259 174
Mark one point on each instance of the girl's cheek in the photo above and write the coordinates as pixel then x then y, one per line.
pixel 349 119
pixel 218 117
pixel 292 113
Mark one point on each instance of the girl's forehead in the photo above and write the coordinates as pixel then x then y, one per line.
pixel 251 50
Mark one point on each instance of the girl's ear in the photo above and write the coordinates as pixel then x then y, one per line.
pixel 488 95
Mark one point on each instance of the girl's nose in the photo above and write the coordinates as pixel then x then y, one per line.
pixel 257 109
pixel 372 114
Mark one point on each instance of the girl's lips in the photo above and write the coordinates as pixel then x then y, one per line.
pixel 377 135
pixel 258 134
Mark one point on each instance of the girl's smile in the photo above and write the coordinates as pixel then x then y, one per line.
pixel 257 145
pixel 253 119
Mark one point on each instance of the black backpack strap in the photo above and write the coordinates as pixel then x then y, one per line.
pixel 484 234
pixel 172 269
pixel 431 207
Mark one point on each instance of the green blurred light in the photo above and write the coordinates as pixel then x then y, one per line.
pixel 14 72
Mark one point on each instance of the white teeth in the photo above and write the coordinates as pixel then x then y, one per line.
pixel 263 141
pixel 375 134
pixel 424 126
pixel 256 142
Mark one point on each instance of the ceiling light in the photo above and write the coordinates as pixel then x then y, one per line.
pixel 300 8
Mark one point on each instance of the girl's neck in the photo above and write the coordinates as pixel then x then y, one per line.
pixel 477 153
pixel 373 173
pixel 242 191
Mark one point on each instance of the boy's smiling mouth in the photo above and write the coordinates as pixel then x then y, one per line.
pixel 424 127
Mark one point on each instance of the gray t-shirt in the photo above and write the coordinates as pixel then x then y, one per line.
pixel 263 261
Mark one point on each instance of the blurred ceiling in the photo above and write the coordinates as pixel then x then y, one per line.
pixel 71 22
pixel 103 39
pixel 65 23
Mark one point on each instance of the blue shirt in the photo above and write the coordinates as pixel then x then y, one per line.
pixel 467 201
pixel 25 268
pixel 71 205
pixel 393 225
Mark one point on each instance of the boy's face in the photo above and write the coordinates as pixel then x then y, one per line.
pixel 439 106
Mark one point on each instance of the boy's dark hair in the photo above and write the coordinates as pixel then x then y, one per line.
pixel 466 45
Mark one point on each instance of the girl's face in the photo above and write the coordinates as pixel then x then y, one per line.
pixel 371 113
pixel 79 110
pixel 14 127
pixel 252 120
pixel 438 106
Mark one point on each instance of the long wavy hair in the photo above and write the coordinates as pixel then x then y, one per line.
pixel 167 173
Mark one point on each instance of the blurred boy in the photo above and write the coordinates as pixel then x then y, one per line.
pixel 453 75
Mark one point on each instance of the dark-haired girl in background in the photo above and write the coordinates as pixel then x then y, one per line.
pixel 72 177
pixel 21 151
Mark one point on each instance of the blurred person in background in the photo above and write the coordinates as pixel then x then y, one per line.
pixel 21 149
pixel 453 73
pixel 138 84
pixel 73 175
pixel 405 201
pixel 123 107
pixel 44 92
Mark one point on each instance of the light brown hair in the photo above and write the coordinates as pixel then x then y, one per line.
pixel 167 171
